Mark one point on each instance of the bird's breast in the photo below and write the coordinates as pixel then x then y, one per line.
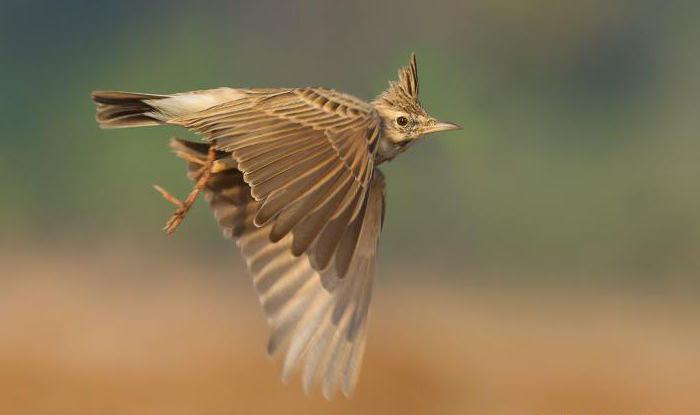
pixel 388 149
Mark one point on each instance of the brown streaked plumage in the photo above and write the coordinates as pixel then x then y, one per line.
pixel 291 176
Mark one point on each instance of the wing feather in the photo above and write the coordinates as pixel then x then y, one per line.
pixel 290 216
pixel 304 203
pixel 329 238
pixel 277 136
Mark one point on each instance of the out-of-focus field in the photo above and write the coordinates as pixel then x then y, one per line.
pixel 115 330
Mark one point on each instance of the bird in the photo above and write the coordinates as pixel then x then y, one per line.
pixel 291 176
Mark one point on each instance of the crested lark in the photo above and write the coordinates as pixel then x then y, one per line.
pixel 291 174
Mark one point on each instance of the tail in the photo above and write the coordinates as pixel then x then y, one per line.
pixel 128 109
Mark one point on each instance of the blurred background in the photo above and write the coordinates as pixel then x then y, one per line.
pixel 561 276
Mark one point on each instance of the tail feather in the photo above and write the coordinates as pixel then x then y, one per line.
pixel 126 109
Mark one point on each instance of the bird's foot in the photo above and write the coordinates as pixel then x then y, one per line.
pixel 183 207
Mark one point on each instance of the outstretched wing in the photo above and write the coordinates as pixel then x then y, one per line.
pixel 321 329
pixel 308 156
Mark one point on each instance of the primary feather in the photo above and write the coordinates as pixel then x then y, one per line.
pixel 319 330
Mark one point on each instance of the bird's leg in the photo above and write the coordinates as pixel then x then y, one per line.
pixel 170 198
pixel 184 206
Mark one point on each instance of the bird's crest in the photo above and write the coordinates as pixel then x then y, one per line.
pixel 403 94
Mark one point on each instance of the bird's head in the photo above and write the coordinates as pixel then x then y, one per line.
pixel 404 119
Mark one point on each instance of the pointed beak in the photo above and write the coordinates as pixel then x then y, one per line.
pixel 436 126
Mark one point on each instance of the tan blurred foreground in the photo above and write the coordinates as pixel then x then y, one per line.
pixel 114 331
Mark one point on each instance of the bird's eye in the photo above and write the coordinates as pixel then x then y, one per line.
pixel 402 121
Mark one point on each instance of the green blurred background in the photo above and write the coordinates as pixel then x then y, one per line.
pixel 578 158
pixel 577 166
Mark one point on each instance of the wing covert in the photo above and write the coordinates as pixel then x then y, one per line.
pixel 308 156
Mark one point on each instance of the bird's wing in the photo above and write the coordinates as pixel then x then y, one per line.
pixel 308 156
pixel 319 329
